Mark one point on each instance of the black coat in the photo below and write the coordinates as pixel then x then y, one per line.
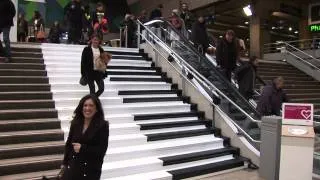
pixel 86 165
pixel 246 76
pixel 226 54
pixel 7 12
pixel 199 35
pixel 74 13
pixel 87 70
pixel 271 100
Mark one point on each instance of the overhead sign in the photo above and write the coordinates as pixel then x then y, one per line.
pixel 297 114
pixel 314 28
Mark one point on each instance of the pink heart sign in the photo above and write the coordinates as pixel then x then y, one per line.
pixel 306 114
pixel 297 114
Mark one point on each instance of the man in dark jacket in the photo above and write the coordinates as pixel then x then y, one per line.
pixel 7 12
pixel 74 13
pixel 271 99
pixel 226 54
pixel 246 75
pixel 156 13
pixel 199 35
pixel 187 16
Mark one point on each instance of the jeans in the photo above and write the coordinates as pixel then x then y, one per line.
pixel 6 38
pixel 92 88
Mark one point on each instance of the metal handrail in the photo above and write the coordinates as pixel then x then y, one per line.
pixel 297 49
pixel 306 62
pixel 186 78
pixel 203 78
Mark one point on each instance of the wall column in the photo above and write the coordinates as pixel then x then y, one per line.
pixel 255 37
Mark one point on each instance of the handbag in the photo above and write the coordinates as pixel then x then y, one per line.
pixel 41 33
pixel 102 61
pixel 83 81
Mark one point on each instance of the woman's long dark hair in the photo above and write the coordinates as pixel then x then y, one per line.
pixel 78 112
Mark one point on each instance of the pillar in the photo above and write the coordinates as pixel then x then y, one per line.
pixel 255 37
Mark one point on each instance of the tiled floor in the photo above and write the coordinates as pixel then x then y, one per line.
pixel 237 175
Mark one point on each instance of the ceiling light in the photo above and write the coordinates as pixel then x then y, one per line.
pixel 290 28
pixel 246 22
pixel 247 10
pixel 220 36
pixel 273 27
pixel 296 32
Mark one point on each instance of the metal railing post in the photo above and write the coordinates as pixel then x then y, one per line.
pixel 139 37
pixel 120 36
pixel 126 34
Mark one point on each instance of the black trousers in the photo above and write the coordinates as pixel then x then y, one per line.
pixel 92 87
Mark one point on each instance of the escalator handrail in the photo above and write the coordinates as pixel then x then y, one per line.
pixel 210 100
pixel 204 80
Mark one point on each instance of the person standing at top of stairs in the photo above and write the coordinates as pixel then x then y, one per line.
pixel 74 12
pixel 272 98
pixel 7 12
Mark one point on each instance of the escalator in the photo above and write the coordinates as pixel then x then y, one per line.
pixel 199 68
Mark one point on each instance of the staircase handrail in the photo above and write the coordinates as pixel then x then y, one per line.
pixel 194 72
pixel 299 50
pixel 187 79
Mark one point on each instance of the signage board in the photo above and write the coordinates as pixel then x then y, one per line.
pixel 297 114
pixel 314 28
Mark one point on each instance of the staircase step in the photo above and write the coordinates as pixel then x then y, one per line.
pixel 179 134
pixel 133 73
pixel 172 124
pixel 301 91
pixel 28 114
pixel 31 60
pixel 16 137
pixel 26 54
pixel 24 87
pixel 183 158
pixel 168 115
pixel 305 95
pixel 305 100
pixel 50 175
pixel 134 68
pixel 22 72
pixel 22 66
pixel 24 80
pixel 137 79
pixel 127 57
pixel 29 124
pixel 20 49
pixel 206 169
pixel 31 149
pixel 31 164
pixel 145 92
pixel 156 99
pixel 32 95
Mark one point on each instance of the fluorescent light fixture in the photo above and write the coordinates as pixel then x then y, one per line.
pixel 290 28
pixel 296 32
pixel 246 22
pixel 247 10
